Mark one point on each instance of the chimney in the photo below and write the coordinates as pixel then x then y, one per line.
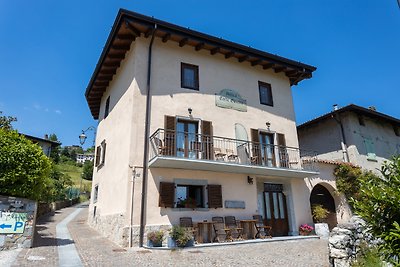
pixel 46 136
pixel 335 107
pixel 373 108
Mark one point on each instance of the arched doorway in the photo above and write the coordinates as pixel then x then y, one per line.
pixel 321 196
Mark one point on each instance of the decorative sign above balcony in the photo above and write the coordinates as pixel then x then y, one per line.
pixel 228 98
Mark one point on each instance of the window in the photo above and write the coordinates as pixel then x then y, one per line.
pixel 396 130
pixel 265 94
pixel 370 148
pixel 95 193
pixel 189 76
pixel 361 120
pixel 190 196
pixel 100 154
pixel 107 109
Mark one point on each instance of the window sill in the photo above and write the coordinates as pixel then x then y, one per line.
pixel 190 209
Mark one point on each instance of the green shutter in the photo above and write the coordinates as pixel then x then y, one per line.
pixel 370 148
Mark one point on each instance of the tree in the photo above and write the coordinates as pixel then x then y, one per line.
pixel 87 172
pixel 378 202
pixel 24 169
pixel 55 152
pixel 5 121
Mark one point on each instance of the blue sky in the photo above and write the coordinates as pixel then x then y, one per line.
pixel 49 49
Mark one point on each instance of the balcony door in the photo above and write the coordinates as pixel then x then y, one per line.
pixel 187 139
pixel 267 149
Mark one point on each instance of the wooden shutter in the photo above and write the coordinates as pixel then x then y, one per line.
pixel 167 195
pixel 207 139
pixel 103 156
pixel 98 154
pixel 283 154
pixel 214 196
pixel 169 136
pixel 255 148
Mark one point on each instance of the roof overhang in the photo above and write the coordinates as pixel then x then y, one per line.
pixel 130 25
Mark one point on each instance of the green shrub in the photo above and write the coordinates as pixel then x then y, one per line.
pixel 319 213
pixel 181 235
pixel 367 257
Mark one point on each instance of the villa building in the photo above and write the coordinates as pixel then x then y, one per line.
pixel 46 144
pixel 191 125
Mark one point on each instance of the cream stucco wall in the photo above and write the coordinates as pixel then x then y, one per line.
pixel 120 179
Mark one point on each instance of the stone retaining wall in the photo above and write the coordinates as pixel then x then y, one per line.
pixel 45 208
pixel 345 241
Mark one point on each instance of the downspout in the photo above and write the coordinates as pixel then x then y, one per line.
pixel 146 141
pixel 343 137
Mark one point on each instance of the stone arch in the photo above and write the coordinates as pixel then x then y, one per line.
pixel 322 194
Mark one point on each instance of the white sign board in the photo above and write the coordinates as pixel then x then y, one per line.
pixel 12 223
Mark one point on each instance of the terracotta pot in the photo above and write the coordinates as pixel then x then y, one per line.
pixel 304 233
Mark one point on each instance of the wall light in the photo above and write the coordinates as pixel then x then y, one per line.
pixel 249 180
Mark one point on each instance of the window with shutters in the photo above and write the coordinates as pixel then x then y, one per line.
pixel 193 194
pixel 100 155
pixel 189 76
pixel 95 193
pixel 107 108
pixel 370 148
pixel 265 92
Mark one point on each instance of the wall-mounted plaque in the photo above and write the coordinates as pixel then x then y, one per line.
pixel 235 204
pixel 228 98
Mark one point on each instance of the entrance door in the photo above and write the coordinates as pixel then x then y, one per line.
pixel 186 138
pixel 275 209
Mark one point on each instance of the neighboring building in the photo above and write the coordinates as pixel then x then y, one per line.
pixel 354 134
pixel 195 126
pixel 46 144
pixel 81 158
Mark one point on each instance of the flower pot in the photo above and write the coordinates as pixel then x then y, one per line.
pixel 172 243
pixel 154 244
pixel 322 230
pixel 304 233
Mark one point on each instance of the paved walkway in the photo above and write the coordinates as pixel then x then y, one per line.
pixel 95 250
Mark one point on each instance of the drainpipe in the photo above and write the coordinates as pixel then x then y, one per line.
pixel 338 119
pixel 146 141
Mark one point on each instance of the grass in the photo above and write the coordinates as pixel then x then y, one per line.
pixel 368 257
pixel 75 173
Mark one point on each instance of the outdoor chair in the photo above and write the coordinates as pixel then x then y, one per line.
pixel 221 232
pixel 187 222
pixel 218 219
pixel 231 223
pixel 160 147
pixel 231 155
pixel 219 155
pixel 261 228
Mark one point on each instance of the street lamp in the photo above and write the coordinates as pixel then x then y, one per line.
pixel 83 137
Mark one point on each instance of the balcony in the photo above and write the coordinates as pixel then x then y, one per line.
pixel 183 150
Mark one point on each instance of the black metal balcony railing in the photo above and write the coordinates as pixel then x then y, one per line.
pixel 175 144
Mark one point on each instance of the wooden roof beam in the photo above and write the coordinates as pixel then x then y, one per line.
pixel 116 56
pixel 121 47
pixel 268 66
pixel 166 37
pixel 148 32
pixel 280 69
pixel 215 50
pixel 126 37
pixel 135 31
pixel 183 42
pixel 291 72
pixel 241 59
pixel 229 54
pixel 199 46
pixel 108 71
pixel 256 62
pixel 113 64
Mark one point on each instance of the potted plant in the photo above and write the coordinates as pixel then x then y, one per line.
pixel 305 229
pixel 155 238
pixel 319 214
pixel 180 237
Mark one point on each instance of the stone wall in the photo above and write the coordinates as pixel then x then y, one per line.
pixel 17 222
pixel 345 241
pixel 44 208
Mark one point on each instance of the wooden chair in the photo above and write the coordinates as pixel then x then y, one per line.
pixel 231 155
pixel 188 223
pixel 219 155
pixel 231 223
pixel 159 144
pixel 261 228
pixel 221 232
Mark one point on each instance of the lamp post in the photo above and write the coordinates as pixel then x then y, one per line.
pixel 82 139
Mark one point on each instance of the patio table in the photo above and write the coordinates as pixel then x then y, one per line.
pixel 248 228
pixel 205 232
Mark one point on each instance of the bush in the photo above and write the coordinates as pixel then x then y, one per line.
pixel 181 235
pixel 378 203
pixel 319 213
pixel 24 169
pixel 156 237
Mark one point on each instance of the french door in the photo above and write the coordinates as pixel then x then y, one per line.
pixel 267 149
pixel 186 139
pixel 275 210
